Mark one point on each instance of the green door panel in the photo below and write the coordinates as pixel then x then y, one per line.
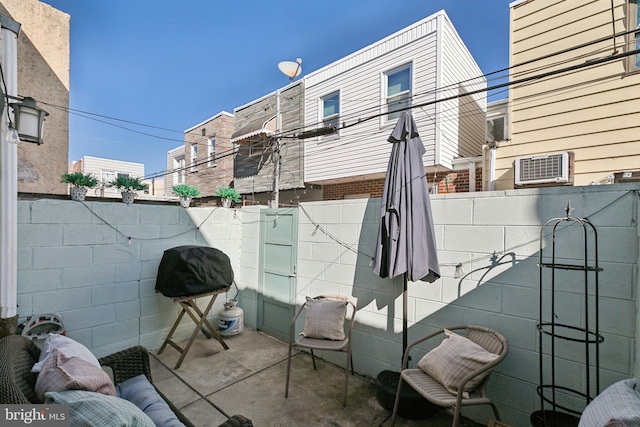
pixel 278 255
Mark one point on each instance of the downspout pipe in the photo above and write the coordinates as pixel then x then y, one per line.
pixel 9 32
pixel 492 165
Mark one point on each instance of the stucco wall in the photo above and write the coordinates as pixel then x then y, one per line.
pixel 43 74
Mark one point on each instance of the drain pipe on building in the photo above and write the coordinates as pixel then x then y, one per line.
pixel 8 183
pixel 492 164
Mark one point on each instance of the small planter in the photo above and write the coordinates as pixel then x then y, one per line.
pixel 185 202
pixel 128 197
pixel 78 194
pixel 226 203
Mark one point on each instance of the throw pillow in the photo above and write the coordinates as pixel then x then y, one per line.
pixel 325 319
pixel 93 409
pixel 454 359
pixel 67 346
pixel 618 404
pixel 139 391
pixel 61 373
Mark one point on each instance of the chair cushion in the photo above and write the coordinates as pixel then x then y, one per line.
pixel 61 373
pixel 454 359
pixel 325 319
pixel 617 405
pixel 67 346
pixel 95 409
pixel 139 391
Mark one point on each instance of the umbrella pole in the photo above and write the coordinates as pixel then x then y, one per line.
pixel 404 315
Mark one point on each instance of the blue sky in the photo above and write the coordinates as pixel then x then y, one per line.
pixel 172 64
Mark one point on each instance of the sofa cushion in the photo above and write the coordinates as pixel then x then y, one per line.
pixel 94 409
pixel 139 391
pixel 61 373
pixel 67 346
pixel 324 319
pixel 455 358
pixel 617 405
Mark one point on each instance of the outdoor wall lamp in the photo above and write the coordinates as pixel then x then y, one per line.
pixel 29 120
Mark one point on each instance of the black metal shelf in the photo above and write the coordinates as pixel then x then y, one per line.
pixel 569 267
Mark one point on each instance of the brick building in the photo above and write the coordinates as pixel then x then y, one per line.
pixel 208 155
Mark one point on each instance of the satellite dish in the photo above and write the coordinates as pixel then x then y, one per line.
pixel 291 69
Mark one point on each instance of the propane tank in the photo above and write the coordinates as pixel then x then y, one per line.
pixel 231 319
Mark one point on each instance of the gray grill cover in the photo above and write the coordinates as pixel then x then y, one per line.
pixel 191 270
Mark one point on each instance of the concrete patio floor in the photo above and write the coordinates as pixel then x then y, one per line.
pixel 213 384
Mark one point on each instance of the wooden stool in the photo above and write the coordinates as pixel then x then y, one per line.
pixel 199 317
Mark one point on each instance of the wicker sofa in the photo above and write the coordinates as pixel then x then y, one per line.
pixel 17 383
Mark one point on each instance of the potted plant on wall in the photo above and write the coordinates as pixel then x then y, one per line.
pixel 227 195
pixel 186 193
pixel 80 183
pixel 128 187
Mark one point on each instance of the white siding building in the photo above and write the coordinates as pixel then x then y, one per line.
pixel 425 66
pixel 106 170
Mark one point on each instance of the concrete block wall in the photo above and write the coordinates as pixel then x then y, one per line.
pixel 495 235
pixel 96 264
pixel 77 259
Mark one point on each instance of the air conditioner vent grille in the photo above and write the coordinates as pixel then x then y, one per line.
pixel 556 168
pixel 535 168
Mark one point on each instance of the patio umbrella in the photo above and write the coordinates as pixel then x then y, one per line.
pixel 406 243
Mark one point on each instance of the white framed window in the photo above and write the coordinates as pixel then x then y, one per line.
pixel 496 128
pixel 330 109
pixel 397 91
pixel 211 152
pixel 194 157
pixel 633 42
pixel 179 170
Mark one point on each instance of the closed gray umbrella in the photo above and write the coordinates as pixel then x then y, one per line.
pixel 406 240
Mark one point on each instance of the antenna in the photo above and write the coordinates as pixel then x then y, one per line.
pixel 291 69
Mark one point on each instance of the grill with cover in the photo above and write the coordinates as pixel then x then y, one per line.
pixel 187 273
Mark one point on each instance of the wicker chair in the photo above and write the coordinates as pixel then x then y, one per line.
pixel 436 393
pixel 323 344
pixel 18 354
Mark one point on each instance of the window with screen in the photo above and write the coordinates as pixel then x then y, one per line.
pixel 397 91
pixel 330 105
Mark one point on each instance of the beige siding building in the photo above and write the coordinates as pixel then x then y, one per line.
pixel 43 74
pixel 592 111
pixel 107 170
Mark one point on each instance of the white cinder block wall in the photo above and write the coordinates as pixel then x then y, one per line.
pixel 499 291
pixel 96 264
pixel 76 259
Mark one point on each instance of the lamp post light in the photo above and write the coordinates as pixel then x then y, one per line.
pixel 29 120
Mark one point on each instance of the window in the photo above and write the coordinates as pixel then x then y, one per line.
pixel 495 130
pixel 634 38
pixel 179 172
pixel 194 157
pixel 398 91
pixel 211 152
pixel 256 148
pixel 330 106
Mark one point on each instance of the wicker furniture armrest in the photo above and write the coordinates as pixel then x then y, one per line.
pixel 17 383
pixel 132 362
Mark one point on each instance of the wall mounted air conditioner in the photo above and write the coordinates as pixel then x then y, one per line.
pixel 553 168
